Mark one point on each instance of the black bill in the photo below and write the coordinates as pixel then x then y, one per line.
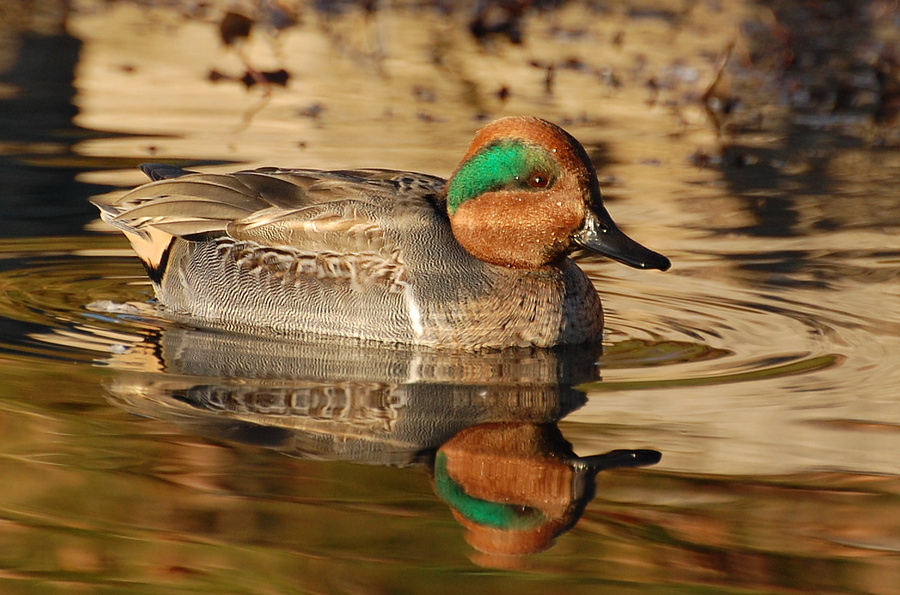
pixel 599 234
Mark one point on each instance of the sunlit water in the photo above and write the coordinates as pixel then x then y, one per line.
pixel 140 455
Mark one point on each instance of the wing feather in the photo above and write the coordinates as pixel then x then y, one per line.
pixel 312 211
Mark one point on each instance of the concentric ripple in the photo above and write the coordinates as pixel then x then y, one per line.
pixel 661 330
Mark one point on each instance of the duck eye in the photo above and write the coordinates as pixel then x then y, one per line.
pixel 538 180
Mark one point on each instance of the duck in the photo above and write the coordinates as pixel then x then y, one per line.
pixel 481 260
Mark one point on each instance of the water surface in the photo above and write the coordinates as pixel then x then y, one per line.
pixel 140 455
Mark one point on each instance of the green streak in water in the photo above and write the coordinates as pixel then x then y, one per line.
pixel 489 514
pixel 803 366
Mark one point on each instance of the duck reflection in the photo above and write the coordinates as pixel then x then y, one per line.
pixel 517 486
pixel 485 424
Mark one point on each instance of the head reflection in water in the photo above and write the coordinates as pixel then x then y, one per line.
pixel 517 486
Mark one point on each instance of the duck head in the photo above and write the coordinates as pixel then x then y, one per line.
pixel 526 194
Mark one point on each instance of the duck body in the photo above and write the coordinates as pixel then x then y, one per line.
pixel 373 255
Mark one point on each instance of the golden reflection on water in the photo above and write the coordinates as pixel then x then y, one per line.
pixel 762 366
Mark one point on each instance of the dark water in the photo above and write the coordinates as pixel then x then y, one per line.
pixel 743 416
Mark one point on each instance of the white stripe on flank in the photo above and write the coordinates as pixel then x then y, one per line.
pixel 415 315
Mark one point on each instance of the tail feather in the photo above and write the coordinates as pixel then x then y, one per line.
pixel 152 245
pixel 162 171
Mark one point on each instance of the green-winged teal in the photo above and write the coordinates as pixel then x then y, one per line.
pixel 476 261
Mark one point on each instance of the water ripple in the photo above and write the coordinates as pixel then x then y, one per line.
pixel 656 335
